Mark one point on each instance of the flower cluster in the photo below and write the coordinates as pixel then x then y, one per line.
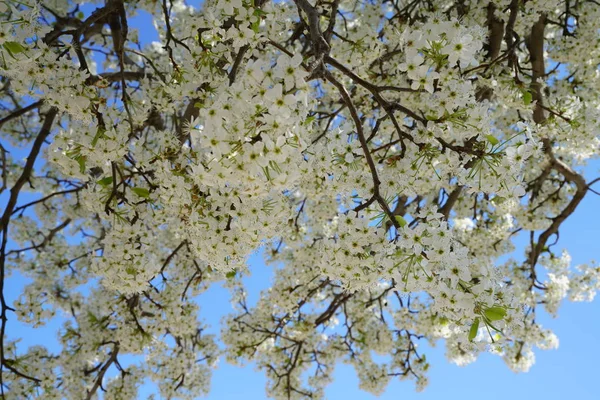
pixel 383 158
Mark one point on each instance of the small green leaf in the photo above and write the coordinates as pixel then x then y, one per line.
pixel 527 98
pixel 492 139
pixel 498 200
pixel 401 221
pixel 80 15
pixel 474 329
pixel 92 318
pixel 81 161
pixel 105 181
pixel 267 173
pixel 142 192
pixel 14 47
pixel 230 274
pixel 256 26
pixel 98 136
pixel 495 313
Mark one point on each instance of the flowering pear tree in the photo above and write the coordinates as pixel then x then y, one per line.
pixel 384 155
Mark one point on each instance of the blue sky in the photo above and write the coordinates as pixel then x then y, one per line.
pixel 569 371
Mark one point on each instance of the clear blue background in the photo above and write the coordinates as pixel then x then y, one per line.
pixel 570 371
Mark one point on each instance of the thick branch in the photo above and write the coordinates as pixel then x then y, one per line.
pixel 100 377
pixel 535 44
pixel 4 221
pixel 19 112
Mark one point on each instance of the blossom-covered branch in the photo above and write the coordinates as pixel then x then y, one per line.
pixel 384 155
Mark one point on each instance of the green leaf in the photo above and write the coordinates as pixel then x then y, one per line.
pixel 527 98
pixel 492 139
pixel 474 329
pixel 401 221
pixel 105 181
pixel 267 173
pixel 230 274
pixel 69 333
pixel 80 15
pixel 14 47
pixel 92 318
pixel 98 136
pixel 498 200
pixel 142 192
pixel 81 161
pixel 495 313
pixel 256 26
